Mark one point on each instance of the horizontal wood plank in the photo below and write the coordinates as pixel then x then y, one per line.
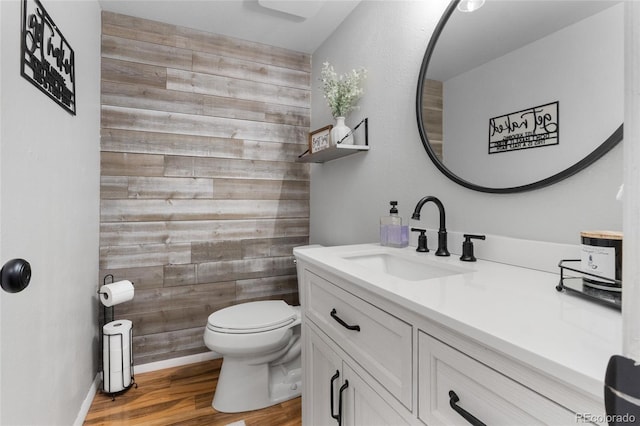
pixel 142 52
pixel 216 251
pixel 250 109
pixel 178 275
pixel 148 347
pixel 165 210
pixel 117 257
pixel 132 233
pixel 160 356
pixel 234 168
pixel 169 188
pixel 208 63
pixel 244 269
pixel 133 28
pixel 260 189
pixel 201 41
pixel 133 73
pixel 118 187
pixel 114 187
pixel 177 123
pixel 169 319
pixel 227 87
pixel 126 164
pixel 180 297
pixel 267 287
pixel 157 99
pixel 142 142
pixel 118 93
pixel 270 247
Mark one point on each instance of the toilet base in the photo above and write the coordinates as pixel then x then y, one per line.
pixel 242 387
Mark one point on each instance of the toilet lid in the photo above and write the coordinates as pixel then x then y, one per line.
pixel 252 317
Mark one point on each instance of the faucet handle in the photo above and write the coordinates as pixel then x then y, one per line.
pixel 467 247
pixel 422 240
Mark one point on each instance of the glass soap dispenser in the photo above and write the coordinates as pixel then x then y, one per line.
pixel 392 233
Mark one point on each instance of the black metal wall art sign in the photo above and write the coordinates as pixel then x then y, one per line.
pixel 529 128
pixel 47 59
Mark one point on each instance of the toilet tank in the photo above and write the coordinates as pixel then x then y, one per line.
pixel 299 267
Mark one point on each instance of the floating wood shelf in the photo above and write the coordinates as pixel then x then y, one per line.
pixel 339 150
pixel 332 153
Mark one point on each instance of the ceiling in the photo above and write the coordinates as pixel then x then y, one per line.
pixel 262 21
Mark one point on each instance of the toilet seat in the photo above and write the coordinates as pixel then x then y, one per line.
pixel 252 317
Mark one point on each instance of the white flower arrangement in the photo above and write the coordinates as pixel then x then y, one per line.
pixel 342 92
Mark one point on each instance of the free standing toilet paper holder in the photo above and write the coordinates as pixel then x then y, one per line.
pixel 111 310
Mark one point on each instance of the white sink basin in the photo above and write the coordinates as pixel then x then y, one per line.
pixel 402 267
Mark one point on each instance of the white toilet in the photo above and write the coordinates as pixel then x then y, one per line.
pixel 260 344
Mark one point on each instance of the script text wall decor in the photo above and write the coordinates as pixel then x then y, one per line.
pixel 201 198
pixel 47 59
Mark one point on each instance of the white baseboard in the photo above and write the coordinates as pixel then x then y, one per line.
pixel 138 369
pixel 175 362
pixel 86 404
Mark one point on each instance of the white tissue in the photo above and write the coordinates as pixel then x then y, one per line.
pixel 116 293
pixel 116 356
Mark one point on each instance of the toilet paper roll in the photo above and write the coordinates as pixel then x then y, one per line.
pixel 116 381
pixel 116 293
pixel 122 326
pixel 116 356
pixel 116 346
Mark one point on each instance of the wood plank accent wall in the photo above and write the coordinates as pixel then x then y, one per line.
pixel 201 198
pixel 432 114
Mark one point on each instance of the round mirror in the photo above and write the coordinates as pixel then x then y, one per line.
pixel 518 95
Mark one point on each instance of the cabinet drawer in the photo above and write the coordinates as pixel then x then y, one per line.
pixel 491 397
pixel 382 345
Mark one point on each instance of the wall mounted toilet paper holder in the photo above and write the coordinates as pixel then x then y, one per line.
pixel 105 311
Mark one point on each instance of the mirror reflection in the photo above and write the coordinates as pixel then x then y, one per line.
pixel 520 94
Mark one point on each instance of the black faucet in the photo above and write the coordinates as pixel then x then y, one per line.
pixel 442 232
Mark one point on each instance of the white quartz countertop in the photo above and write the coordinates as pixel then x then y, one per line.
pixel 514 310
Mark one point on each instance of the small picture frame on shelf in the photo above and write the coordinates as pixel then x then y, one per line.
pixel 320 139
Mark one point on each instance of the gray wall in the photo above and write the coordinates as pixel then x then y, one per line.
pixel 349 195
pixel 50 211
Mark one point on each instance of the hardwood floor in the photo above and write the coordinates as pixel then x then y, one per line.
pixel 182 396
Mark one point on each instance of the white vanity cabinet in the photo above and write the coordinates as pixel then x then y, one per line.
pixel 401 365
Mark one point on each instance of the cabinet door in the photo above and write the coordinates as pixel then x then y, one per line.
pixel 362 406
pixel 321 364
pixel 382 344
pixel 452 385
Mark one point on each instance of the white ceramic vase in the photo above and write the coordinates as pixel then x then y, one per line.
pixel 339 131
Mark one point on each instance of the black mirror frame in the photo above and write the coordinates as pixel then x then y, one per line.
pixel 596 154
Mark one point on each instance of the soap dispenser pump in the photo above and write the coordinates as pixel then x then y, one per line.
pixel 394 208
pixel 391 227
